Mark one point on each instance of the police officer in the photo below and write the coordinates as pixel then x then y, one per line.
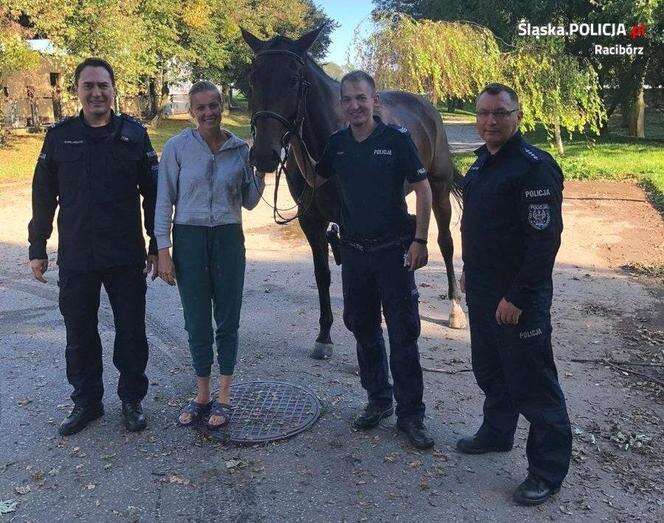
pixel 510 232
pixel 381 249
pixel 94 166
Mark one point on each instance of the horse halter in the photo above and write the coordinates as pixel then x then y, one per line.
pixel 292 126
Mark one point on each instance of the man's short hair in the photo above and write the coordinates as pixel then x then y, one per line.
pixel 496 88
pixel 203 86
pixel 358 76
pixel 93 62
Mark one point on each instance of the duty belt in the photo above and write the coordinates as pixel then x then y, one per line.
pixel 373 245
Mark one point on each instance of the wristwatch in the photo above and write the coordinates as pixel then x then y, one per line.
pixel 420 241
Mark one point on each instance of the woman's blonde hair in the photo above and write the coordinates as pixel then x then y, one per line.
pixel 202 86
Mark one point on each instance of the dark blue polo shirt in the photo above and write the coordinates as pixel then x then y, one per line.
pixel 370 175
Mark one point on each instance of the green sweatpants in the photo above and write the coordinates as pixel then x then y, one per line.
pixel 209 267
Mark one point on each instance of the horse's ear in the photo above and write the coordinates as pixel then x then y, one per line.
pixel 307 40
pixel 255 43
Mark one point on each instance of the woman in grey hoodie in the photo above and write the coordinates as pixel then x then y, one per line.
pixel 204 173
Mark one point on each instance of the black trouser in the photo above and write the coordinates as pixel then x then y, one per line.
pixel 369 281
pixel 79 304
pixel 514 367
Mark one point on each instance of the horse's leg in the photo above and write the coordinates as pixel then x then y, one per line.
pixel 442 210
pixel 314 229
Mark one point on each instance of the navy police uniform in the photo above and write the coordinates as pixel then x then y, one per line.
pixel 376 232
pixel 511 228
pixel 95 175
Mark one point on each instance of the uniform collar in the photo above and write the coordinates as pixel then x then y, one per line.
pixel 378 130
pixel 513 142
pixel 115 118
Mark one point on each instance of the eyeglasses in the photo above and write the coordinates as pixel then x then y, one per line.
pixel 500 114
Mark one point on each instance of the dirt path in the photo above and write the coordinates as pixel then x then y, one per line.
pixel 331 473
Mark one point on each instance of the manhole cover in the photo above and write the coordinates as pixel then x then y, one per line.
pixel 268 410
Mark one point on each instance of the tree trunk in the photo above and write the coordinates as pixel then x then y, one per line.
pixel 153 95
pixel 225 98
pixel 625 112
pixel 559 139
pixel 163 99
pixel 637 115
pixel 231 103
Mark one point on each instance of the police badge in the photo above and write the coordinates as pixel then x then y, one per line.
pixel 539 216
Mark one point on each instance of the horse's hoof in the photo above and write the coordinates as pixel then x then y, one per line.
pixel 322 351
pixel 457 316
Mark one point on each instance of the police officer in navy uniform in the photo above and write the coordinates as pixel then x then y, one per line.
pixel 510 230
pixel 381 247
pixel 94 167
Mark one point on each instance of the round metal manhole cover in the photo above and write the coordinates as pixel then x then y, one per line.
pixel 267 411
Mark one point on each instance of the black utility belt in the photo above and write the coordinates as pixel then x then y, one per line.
pixel 375 245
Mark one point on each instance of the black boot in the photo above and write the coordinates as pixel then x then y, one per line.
pixel 416 432
pixel 372 415
pixel 480 443
pixel 533 491
pixel 79 418
pixel 133 416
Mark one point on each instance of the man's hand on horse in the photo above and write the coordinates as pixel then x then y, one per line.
pixel 416 257
pixel 39 267
pixel 507 313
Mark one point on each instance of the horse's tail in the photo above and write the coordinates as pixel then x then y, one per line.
pixel 456 187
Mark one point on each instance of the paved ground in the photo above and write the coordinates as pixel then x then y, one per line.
pixel 332 473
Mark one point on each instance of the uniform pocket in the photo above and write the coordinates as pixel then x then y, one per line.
pixel 123 171
pixel 71 170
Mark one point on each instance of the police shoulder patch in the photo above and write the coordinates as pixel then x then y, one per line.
pixel 62 121
pixel 539 216
pixel 133 120
pixel 399 128
pixel 531 153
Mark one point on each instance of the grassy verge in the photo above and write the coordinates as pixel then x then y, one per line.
pixel 18 158
pixel 612 157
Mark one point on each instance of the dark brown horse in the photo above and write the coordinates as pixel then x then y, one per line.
pixel 290 92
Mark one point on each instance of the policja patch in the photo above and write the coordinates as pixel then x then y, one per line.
pixel 539 215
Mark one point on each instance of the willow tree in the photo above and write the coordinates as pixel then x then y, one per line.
pixel 450 59
pixel 556 90
pixel 438 59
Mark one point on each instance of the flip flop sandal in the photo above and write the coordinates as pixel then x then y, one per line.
pixel 219 409
pixel 197 411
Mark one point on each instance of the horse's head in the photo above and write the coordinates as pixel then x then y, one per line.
pixel 278 86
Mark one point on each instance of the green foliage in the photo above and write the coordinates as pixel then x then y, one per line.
pixel 554 88
pixel 450 59
pixel 151 42
pixel 620 76
pixel 15 55
pixel 438 59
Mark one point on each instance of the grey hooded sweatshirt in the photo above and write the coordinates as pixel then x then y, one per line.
pixel 206 189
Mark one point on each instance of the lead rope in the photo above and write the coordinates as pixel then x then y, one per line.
pixel 295 130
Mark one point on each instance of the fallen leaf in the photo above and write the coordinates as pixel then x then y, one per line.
pixel 178 480
pixel 233 463
pixel 7 506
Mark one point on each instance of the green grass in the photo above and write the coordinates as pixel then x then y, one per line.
pixel 611 157
pixel 18 158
